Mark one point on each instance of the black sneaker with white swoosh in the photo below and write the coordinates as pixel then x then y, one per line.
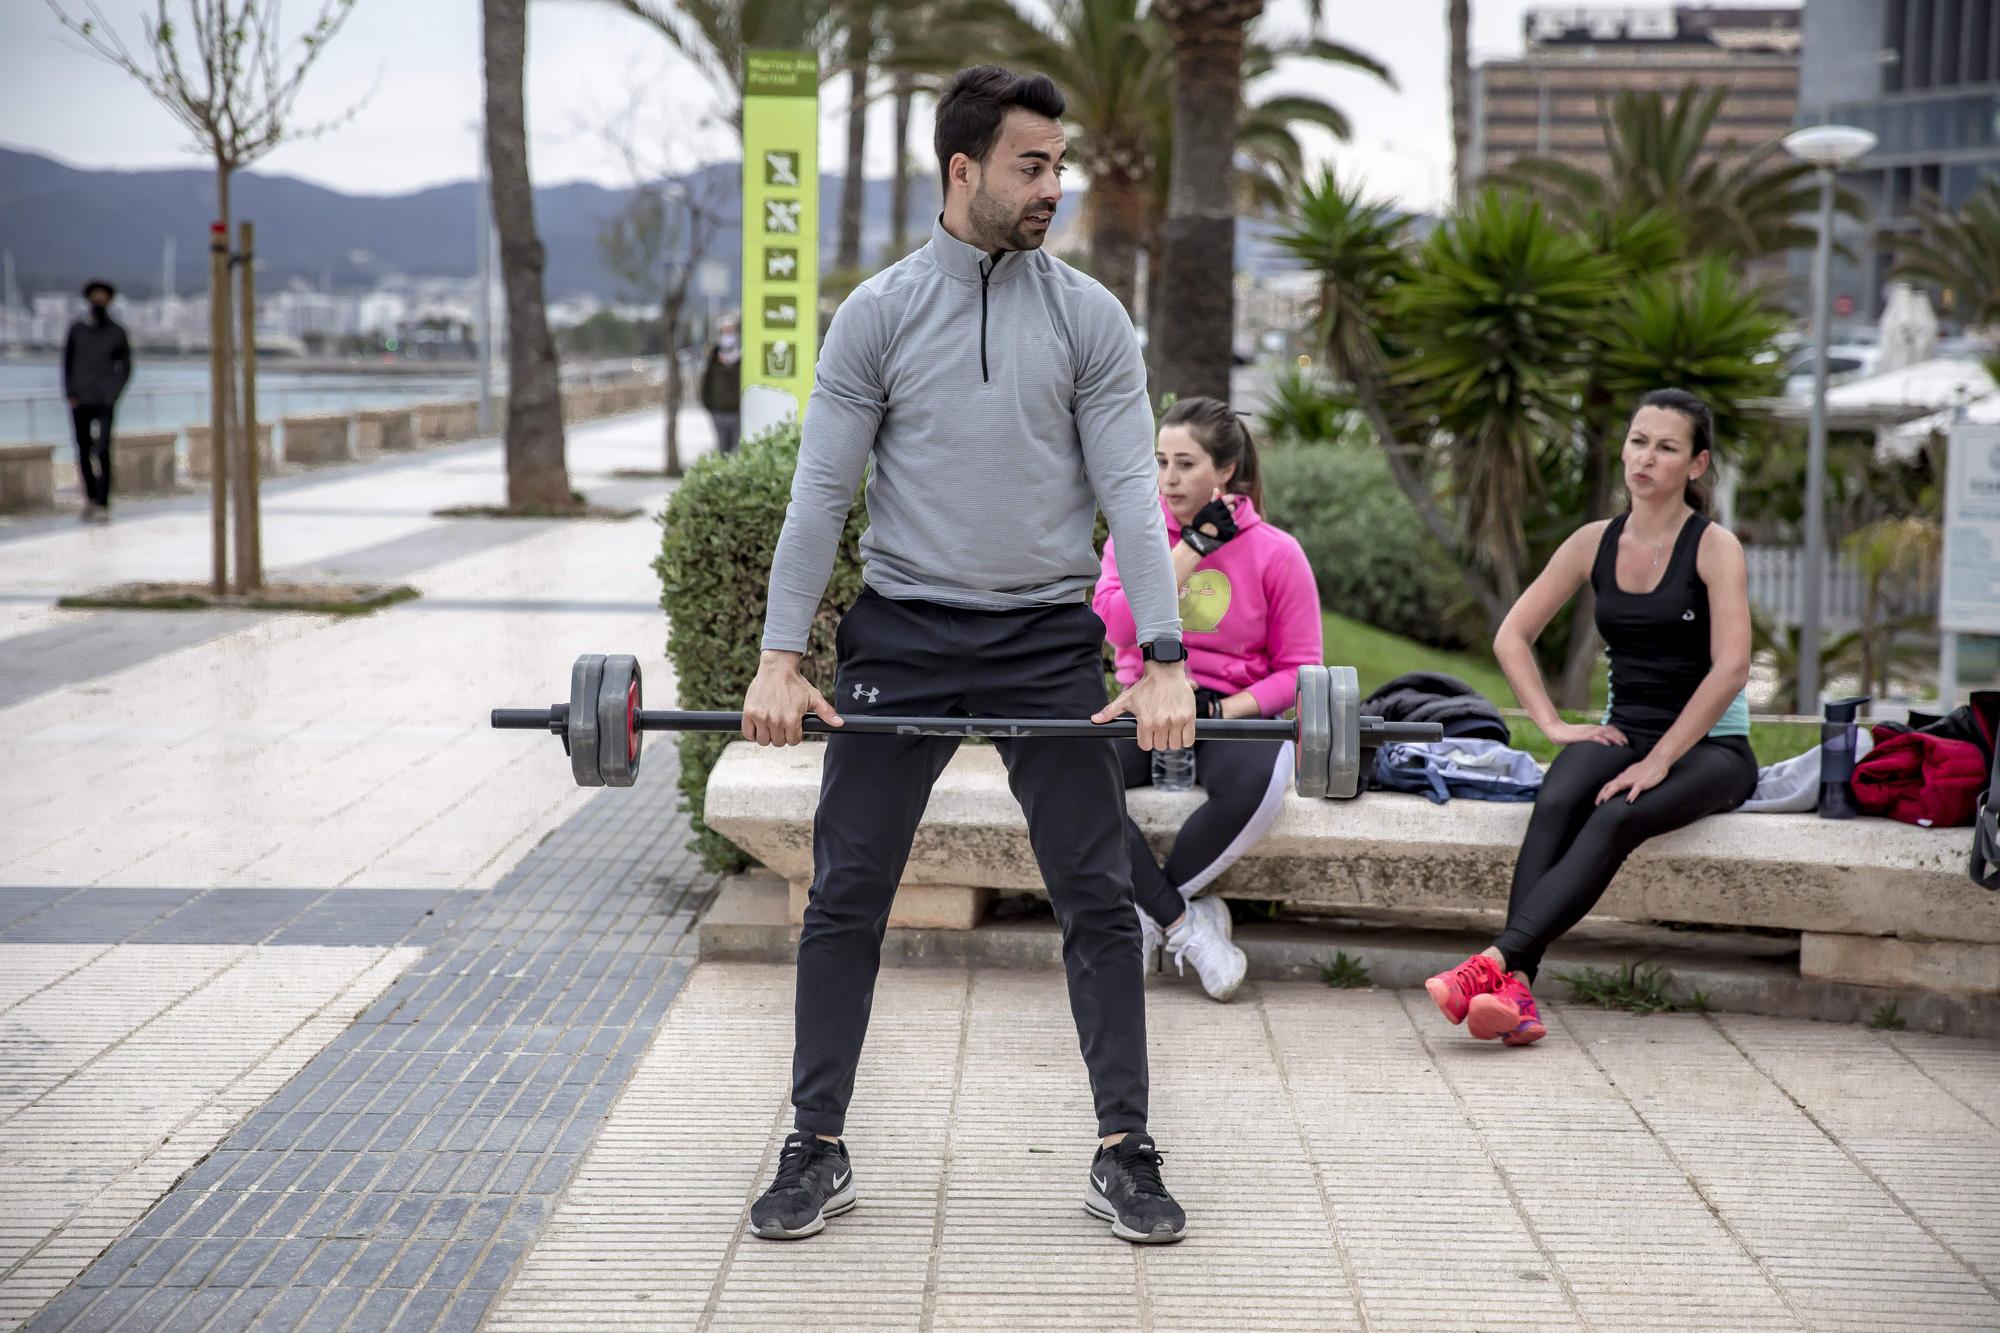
pixel 815 1181
pixel 1125 1190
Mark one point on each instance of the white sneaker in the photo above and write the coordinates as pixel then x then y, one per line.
pixel 1152 938
pixel 1203 937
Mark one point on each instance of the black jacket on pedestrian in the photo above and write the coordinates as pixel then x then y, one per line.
pixel 721 383
pixel 97 361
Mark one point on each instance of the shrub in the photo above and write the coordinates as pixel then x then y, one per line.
pixel 718 535
pixel 1369 551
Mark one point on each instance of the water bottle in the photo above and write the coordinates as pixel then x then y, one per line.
pixel 1173 770
pixel 1838 736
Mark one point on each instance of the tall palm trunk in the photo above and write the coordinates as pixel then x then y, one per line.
pixel 852 184
pixel 536 474
pixel 1461 98
pixel 1116 207
pixel 1196 328
pixel 899 181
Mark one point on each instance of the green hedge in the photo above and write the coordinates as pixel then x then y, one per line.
pixel 718 535
pixel 1369 551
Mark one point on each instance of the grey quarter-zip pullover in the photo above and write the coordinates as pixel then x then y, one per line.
pixel 1003 401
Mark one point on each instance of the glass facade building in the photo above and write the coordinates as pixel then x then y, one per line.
pixel 1924 77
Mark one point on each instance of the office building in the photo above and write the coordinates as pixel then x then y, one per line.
pixel 1550 102
pixel 1924 77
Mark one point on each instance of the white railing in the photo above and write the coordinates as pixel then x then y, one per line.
pixel 1777 579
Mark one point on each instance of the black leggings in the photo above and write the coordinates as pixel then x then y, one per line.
pixel 1574 847
pixel 1245 782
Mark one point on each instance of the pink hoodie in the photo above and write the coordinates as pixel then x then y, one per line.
pixel 1249 613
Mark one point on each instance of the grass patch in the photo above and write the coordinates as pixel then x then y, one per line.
pixel 1344 973
pixel 604 513
pixel 1379 656
pixel 1642 989
pixel 1888 1019
pixel 327 599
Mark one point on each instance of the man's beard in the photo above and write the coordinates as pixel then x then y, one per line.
pixel 1000 227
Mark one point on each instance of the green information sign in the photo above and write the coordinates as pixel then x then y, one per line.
pixel 781 220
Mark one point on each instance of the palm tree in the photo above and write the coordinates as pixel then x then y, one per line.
pixel 1499 314
pixel 858 40
pixel 1662 160
pixel 1459 23
pixel 1958 252
pixel 1197 282
pixel 715 34
pixel 1271 161
pixel 537 476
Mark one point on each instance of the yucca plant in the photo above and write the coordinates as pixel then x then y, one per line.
pixel 1501 316
pixel 1705 330
pixel 1665 157
pixel 1958 252
pixel 1357 249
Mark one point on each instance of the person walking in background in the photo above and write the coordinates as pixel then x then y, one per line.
pixel 97 363
pixel 722 384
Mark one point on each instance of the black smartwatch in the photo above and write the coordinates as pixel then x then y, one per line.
pixel 1164 650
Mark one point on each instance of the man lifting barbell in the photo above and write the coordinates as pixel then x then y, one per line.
pixel 978 367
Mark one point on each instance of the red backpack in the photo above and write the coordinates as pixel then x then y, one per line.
pixel 1920 779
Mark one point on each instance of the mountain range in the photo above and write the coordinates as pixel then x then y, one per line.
pixel 65 223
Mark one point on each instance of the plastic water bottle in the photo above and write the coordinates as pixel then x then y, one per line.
pixel 1173 770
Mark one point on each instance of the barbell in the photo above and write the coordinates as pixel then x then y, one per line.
pixel 601 726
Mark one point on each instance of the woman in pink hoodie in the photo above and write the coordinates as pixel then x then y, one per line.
pixel 1250 619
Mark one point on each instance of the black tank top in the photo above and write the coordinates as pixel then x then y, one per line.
pixel 1659 640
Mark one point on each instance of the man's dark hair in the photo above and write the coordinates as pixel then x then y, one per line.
pixel 971 108
pixel 95 284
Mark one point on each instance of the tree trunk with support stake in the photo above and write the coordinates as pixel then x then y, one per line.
pixel 670 330
pixel 218 402
pixel 249 517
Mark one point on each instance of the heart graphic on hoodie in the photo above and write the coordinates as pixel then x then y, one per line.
pixel 1204 601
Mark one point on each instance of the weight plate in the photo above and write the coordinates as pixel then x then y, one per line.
pixel 584 679
pixel 1343 764
pixel 617 721
pixel 1313 737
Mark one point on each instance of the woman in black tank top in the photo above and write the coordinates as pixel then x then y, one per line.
pixel 1674 613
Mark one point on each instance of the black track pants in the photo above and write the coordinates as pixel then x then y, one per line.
pixel 1574 847
pixel 1245 782
pixel 93 451
pixel 921 658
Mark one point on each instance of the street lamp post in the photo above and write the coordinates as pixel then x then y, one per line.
pixel 1828 148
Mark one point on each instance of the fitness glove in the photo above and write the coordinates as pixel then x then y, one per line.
pixel 1214 523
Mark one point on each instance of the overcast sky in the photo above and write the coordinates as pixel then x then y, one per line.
pixel 416 64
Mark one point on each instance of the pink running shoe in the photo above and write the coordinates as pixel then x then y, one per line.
pixel 1454 991
pixel 1507 1012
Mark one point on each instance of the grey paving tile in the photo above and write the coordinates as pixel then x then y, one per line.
pixel 94 916
pixel 423 1145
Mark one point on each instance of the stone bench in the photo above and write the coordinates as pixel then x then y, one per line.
pixel 383 430
pixel 325 438
pixel 444 423
pixel 27 477
pixel 143 462
pixel 1873 902
pixel 199 451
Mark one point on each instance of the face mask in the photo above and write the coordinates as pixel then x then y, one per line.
pixel 727 343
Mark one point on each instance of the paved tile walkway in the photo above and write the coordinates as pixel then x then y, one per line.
pixel 1347 1160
